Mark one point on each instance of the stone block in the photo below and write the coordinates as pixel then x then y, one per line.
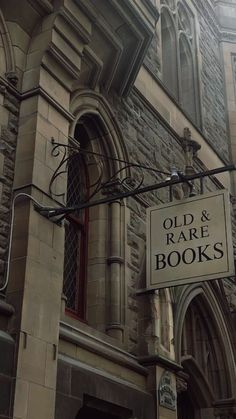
pixel 64 378
pixel 27 124
pixel 57 119
pixel 34 60
pixel 42 302
pixel 51 366
pixel 26 147
pixel 58 239
pixel 51 258
pixel 29 107
pixel 33 248
pixel 45 231
pixel 233 130
pixel 45 128
pixel 67 348
pixel 18 36
pixel 96 274
pixel 41 175
pixel 20 57
pixel 97 249
pixel 30 79
pixel 40 151
pixel 43 107
pixel 21 399
pixel 32 359
pixel 3 64
pixel 98 229
pixel 54 89
pixel 40 40
pixel 73 57
pixel 41 402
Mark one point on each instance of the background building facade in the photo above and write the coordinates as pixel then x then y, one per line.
pixel 151 82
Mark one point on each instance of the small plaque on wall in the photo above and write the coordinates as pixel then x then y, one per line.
pixel 167 393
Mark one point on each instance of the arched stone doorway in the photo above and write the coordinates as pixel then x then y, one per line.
pixel 204 352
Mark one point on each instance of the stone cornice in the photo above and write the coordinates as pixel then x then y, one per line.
pixel 126 44
pixel 227 36
pixel 6 87
pixel 100 347
pixel 160 361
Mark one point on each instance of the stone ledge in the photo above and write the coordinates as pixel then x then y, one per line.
pixel 150 360
pixel 99 347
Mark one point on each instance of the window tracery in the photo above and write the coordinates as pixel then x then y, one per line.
pixel 203 345
pixel 178 42
pixel 76 236
pixel 96 293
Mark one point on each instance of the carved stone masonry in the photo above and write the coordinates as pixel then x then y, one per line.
pixel 190 148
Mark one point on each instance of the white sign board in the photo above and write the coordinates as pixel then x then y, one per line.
pixel 189 241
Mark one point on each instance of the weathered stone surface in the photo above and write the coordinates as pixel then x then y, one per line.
pixel 211 82
pixel 8 146
pixel 148 142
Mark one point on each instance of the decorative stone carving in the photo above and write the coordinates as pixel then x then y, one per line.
pixel 170 3
pixel 167 393
pixel 184 20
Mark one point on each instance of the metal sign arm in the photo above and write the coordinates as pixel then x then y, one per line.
pixel 50 212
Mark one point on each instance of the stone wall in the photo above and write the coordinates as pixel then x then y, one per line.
pixel 9 110
pixel 211 76
pixel 212 84
pixel 150 142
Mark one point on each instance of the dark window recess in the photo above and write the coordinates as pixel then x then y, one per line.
pixel 76 233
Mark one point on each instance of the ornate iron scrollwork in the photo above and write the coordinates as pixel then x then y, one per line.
pixel 121 181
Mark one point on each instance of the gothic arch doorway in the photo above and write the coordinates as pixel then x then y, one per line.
pixel 205 358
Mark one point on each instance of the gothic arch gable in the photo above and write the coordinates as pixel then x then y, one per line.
pixel 7 66
pixel 216 323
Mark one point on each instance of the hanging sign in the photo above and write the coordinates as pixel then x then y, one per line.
pixel 189 241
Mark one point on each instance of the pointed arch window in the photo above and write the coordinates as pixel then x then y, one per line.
pixel 93 256
pixel 169 56
pixel 187 77
pixel 179 60
pixel 76 235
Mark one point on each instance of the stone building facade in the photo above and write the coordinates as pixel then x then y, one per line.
pixel 99 97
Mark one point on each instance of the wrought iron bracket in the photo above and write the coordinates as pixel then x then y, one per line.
pixel 52 212
pixel 120 180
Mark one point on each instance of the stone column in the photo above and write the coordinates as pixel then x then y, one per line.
pixel 36 271
pixel 114 327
